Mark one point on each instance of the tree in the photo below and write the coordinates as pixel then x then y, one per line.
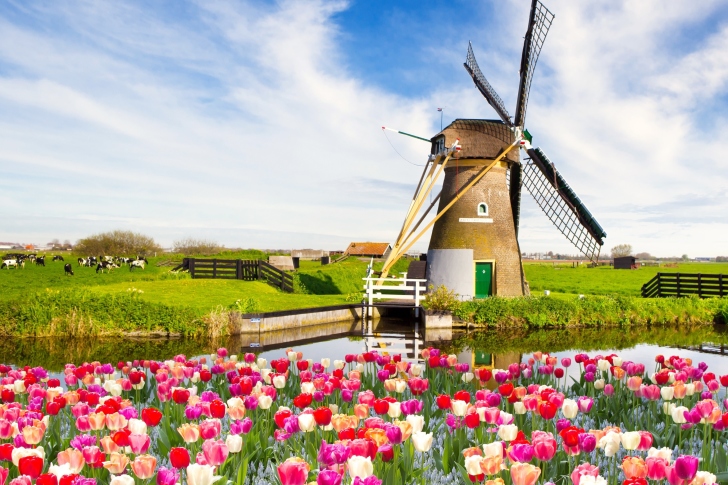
pixel 644 256
pixel 685 257
pixel 621 250
pixel 190 246
pixel 116 243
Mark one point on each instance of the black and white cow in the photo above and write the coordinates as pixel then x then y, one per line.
pixel 105 265
pixel 9 263
pixel 68 269
pixel 40 261
pixel 139 263
pixel 57 257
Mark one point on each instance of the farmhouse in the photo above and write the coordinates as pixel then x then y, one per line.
pixel 369 249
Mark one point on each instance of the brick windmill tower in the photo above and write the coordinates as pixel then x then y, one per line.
pixel 474 244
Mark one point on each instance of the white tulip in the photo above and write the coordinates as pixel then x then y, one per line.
pixel 417 422
pixel 360 467
pixel 610 443
pixel 569 408
pixel 19 453
pixel 667 407
pixel 421 441
pixel 360 368
pixel 689 389
pixel 307 387
pixel 279 381
pixel 292 356
pixel 60 470
pixel 507 432
pixel 326 362
pixel 415 370
pixel 667 393
pixel 306 422
pixel 262 363
pixel 590 480
pixel 630 440
pixel 137 426
pixel 459 407
pixel 265 375
pixel 664 453
pixel 264 401
pixel 472 465
pixel 617 361
pixel 678 415
pixel 195 378
pixel 334 408
pixel 599 384
pixel 467 376
pixel 121 480
pixel 493 449
pixel 603 365
pixel 339 364
pixel 198 475
pixel 395 410
pixel 400 385
pixel 704 478
pixel 518 408
pixel 234 443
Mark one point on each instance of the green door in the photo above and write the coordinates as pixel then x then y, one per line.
pixel 483 280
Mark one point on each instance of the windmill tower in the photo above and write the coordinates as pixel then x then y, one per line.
pixel 474 244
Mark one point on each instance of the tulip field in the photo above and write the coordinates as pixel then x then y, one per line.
pixel 364 419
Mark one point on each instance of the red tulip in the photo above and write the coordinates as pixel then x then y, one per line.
pixel 53 408
pixel 443 401
pixel 280 416
pixel 152 416
pixel 136 376
pixel 462 396
pixel 54 383
pixel 121 437
pixel 381 406
pixel 302 365
pixel 303 400
pixel 181 396
pixel 205 375
pixel 547 410
pixel 570 435
pixel 179 457
pixel 505 389
pixel 472 420
pixel 217 409
pixel 322 416
pixel 31 466
pixel 347 434
pixel 47 479
pixel 92 399
pixel 68 479
pixel 484 374
pixel 6 451
pixel 635 481
pixel 559 373
pixel 7 395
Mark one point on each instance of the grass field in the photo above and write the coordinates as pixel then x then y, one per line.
pixel 603 280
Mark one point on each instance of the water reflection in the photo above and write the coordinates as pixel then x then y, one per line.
pixel 481 348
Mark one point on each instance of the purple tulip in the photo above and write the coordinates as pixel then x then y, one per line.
pixel 318 396
pixel 585 404
pixel 493 400
pixel 452 421
pixel 208 396
pixel 290 425
pixel 527 373
pixel 370 480
pixel 590 368
pixel 193 412
pixel 383 375
pixel 589 377
pixel 692 416
pixel 251 402
pixel 562 424
pixel 129 412
pixel 703 366
pixel 347 395
pixel 501 377
pixel 686 467
pixel 435 352
pixel 587 442
pixel 167 476
pixel 394 434
pixel 566 362
pixel 81 441
pixel 328 477
pixel 332 454
pixel 521 452
pixel 706 395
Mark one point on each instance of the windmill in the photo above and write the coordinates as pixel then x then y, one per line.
pixel 474 244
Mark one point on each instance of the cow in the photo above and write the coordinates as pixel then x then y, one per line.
pixel 57 257
pixel 7 263
pixel 105 265
pixel 139 263
pixel 68 269
pixel 40 261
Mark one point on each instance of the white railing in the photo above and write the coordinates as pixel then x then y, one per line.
pixel 401 289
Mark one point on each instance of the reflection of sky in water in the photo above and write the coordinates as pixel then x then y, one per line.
pixel 334 349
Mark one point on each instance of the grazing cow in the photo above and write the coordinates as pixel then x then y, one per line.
pixel 105 265
pixel 57 257
pixel 139 263
pixel 68 269
pixel 8 263
pixel 40 261
pixel 82 261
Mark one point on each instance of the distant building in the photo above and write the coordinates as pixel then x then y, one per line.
pixel 8 245
pixel 625 262
pixel 369 249
pixel 309 254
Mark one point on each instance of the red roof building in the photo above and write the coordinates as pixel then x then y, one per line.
pixel 369 249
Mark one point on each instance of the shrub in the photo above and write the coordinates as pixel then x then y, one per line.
pixel 441 299
pixel 116 243
pixel 190 246
pixel 246 305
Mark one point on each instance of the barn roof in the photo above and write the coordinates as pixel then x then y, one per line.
pixel 367 248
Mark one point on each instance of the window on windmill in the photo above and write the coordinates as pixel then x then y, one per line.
pixel 482 209
pixel 438 145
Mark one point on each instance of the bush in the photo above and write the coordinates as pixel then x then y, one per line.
pixel 190 247
pixel 116 243
pixel 441 299
pixel 246 305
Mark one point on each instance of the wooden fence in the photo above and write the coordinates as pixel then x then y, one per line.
pixel 239 269
pixel 686 284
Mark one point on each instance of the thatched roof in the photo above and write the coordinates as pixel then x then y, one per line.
pixel 479 138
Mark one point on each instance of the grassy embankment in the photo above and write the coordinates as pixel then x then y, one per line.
pixel 44 301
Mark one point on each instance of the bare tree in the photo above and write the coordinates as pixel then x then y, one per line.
pixel 621 250
pixel 190 246
pixel 644 255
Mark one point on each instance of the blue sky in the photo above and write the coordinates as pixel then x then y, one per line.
pixel 257 124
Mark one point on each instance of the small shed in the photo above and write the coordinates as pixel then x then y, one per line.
pixel 369 249
pixel 309 254
pixel 625 262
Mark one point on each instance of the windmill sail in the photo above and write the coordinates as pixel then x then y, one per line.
pixel 561 205
pixel 471 65
pixel 514 182
pixel 539 23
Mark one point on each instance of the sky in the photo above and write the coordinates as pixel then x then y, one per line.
pixel 258 123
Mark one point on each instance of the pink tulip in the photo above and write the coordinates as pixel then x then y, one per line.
pixel 216 452
pixel 210 428
pixel 609 390
pixel 293 471
pixel 686 466
pixel 656 468
pixel 544 446
pixel 139 443
pixel 585 469
pixel 585 404
pixel 646 440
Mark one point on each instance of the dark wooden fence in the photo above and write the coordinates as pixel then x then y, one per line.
pixel 239 269
pixel 686 284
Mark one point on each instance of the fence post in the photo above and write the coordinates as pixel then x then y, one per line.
pixel 192 267
pixel 239 269
pixel 417 293
pixel 678 285
pixel 720 284
pixel 371 296
pixel 700 285
pixel 214 268
pixel 659 285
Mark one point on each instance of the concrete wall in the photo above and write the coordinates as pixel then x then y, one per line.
pixel 284 263
pixel 275 323
pixel 452 268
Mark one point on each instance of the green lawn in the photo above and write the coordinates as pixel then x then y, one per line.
pixel 603 280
